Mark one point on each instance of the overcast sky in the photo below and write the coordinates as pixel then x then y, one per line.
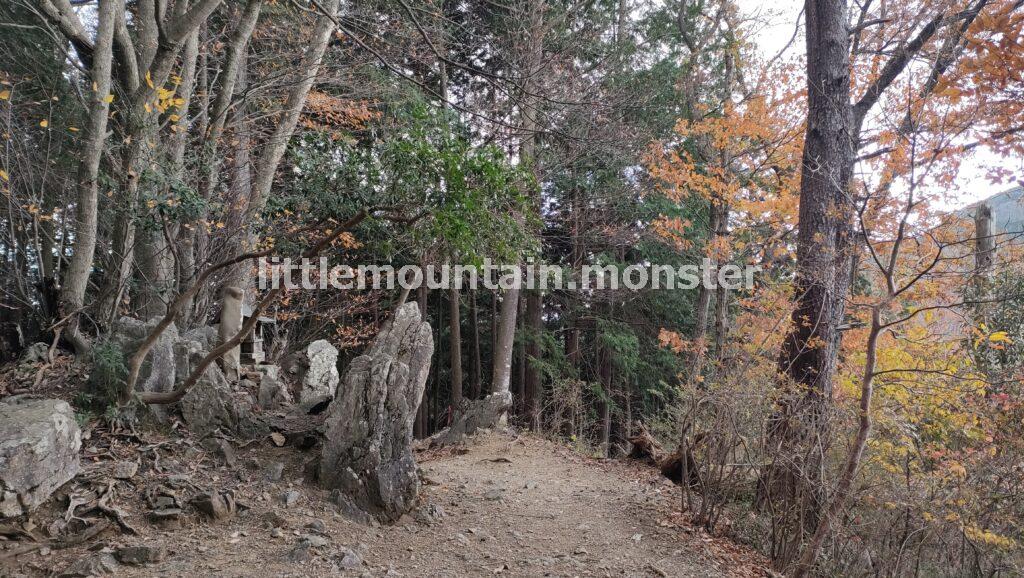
pixel 780 17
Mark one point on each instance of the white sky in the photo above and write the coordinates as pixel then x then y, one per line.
pixel 780 18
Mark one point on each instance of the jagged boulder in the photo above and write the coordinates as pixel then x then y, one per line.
pixel 367 451
pixel 35 353
pixel 273 393
pixel 39 444
pixel 212 405
pixel 205 335
pixel 486 413
pixel 320 381
pixel 159 371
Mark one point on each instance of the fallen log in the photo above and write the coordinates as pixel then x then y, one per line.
pixel 675 466
pixel 644 447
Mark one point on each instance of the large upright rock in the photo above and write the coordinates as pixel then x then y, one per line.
pixel 320 381
pixel 486 413
pixel 39 443
pixel 367 453
pixel 211 405
pixel 159 370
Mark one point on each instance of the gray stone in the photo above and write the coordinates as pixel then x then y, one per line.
pixel 429 514
pixel 35 353
pixel 140 555
pixel 477 415
pixel 125 470
pixel 315 540
pixel 204 335
pixel 268 370
pixel 207 406
pixel 320 381
pixel 211 405
pixel 350 511
pixel 100 564
pixel 290 498
pixel 300 553
pixel 158 372
pixel 165 514
pixel 348 559
pixel 273 393
pixel 367 449
pixel 274 471
pixel 215 505
pixel 39 444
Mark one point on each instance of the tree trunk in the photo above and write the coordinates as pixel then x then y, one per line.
pixel 532 391
pixel 307 70
pixel 604 407
pixel 86 210
pixel 700 329
pixel 232 76
pixel 420 428
pixel 519 374
pixel 455 345
pixel 721 292
pixel 474 348
pixel 823 241
pixel 506 335
pixel 984 248
pixel 798 433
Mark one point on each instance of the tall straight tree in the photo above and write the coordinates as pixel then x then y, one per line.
pixel 798 433
pixel 86 210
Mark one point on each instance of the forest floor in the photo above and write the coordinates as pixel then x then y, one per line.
pixel 503 505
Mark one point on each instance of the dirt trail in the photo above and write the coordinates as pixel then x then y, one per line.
pixel 511 507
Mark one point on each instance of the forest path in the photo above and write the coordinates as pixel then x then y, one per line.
pixel 528 507
pixel 512 506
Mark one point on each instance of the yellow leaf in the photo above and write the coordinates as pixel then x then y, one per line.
pixel 5 94
pixel 148 107
pixel 72 129
pixel 149 80
pixel 44 123
pixel 4 176
pixel 108 99
pixel 999 337
pixel 174 118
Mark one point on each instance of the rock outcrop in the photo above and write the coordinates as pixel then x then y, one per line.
pixel 273 393
pixel 486 413
pixel 212 405
pixel 367 452
pixel 320 381
pixel 159 370
pixel 39 444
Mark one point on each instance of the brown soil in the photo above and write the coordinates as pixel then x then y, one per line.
pixel 513 506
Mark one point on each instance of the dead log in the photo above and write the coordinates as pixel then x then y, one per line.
pixel 647 449
pixel 644 447
pixel 680 461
